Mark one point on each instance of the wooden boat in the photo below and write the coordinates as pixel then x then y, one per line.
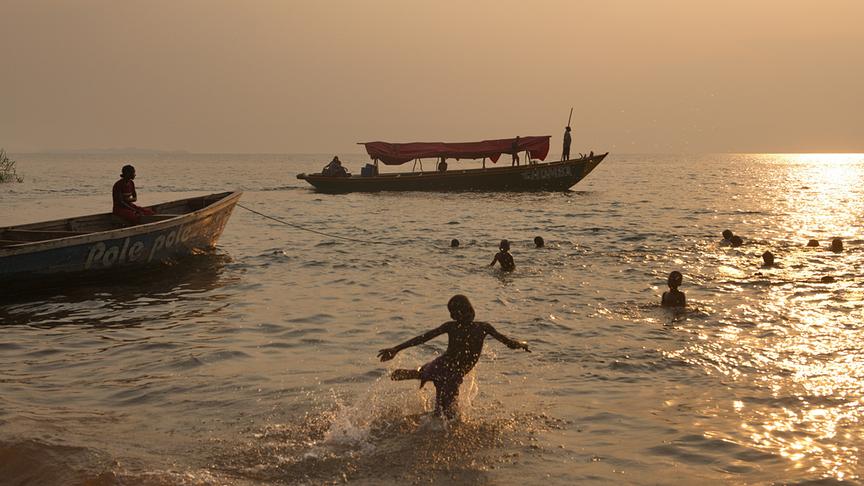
pixel 530 176
pixel 101 242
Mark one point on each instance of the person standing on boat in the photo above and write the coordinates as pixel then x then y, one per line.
pixel 515 150
pixel 125 196
pixel 565 154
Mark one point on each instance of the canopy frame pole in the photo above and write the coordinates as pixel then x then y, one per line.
pixel 484 162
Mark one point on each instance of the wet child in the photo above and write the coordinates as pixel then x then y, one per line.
pixel 504 257
pixel 674 297
pixel 465 338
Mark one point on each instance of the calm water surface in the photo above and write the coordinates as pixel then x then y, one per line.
pixel 256 364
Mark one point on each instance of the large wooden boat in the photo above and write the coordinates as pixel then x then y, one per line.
pixel 529 176
pixel 102 242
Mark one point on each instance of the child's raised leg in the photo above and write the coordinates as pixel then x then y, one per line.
pixel 403 374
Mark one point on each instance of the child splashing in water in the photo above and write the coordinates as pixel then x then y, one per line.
pixel 465 343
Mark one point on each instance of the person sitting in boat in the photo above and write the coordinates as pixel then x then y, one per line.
pixel 674 297
pixel 504 257
pixel 442 166
pixel 335 169
pixel 125 196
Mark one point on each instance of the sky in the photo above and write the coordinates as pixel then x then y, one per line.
pixel 213 76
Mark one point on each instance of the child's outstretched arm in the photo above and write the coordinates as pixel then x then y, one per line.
pixel 388 353
pixel 494 260
pixel 510 343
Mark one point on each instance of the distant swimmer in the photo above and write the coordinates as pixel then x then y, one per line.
pixel 565 154
pixel 504 257
pixel 768 259
pixel 465 338
pixel 674 297
pixel 538 242
pixel 828 279
pixel 454 243
pixel 727 238
pixel 813 244
pixel 837 245
pixel 737 241
pixel 125 196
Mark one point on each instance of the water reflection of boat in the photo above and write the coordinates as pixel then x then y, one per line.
pixel 531 176
pixel 100 243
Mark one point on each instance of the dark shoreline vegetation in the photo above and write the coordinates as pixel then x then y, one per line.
pixel 7 169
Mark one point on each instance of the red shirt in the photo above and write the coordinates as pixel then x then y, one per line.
pixel 121 191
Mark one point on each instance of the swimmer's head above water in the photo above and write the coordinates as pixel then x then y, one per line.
pixel 675 279
pixel 454 243
pixel 538 242
pixel 727 234
pixel 504 245
pixel 768 259
pixel 837 245
pixel 460 309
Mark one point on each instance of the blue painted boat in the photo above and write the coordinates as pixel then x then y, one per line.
pixel 102 242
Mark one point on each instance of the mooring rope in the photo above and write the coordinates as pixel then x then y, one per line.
pixel 294 225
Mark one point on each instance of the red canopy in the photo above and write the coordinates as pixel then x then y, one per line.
pixel 399 153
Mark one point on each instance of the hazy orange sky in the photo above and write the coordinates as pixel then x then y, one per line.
pixel 318 76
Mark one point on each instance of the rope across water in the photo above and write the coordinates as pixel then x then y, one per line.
pixel 294 225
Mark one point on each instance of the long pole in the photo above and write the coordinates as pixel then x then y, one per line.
pixel 570 117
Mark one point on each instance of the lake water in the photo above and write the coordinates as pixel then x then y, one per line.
pixel 257 364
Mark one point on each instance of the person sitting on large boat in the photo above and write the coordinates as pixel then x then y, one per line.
pixel 442 166
pixel 124 196
pixel 504 257
pixel 335 169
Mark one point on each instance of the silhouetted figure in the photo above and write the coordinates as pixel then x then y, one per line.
pixel 335 169
pixel 767 259
pixel 464 345
pixel 538 242
pixel 504 257
pixel 565 154
pixel 515 150
pixel 737 241
pixel 727 238
pixel 813 244
pixel 442 166
pixel 454 243
pixel 124 195
pixel 674 297
pixel 837 245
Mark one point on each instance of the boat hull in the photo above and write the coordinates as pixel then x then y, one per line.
pixel 105 251
pixel 554 176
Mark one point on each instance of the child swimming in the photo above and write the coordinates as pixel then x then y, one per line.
pixel 674 297
pixel 504 257
pixel 464 345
